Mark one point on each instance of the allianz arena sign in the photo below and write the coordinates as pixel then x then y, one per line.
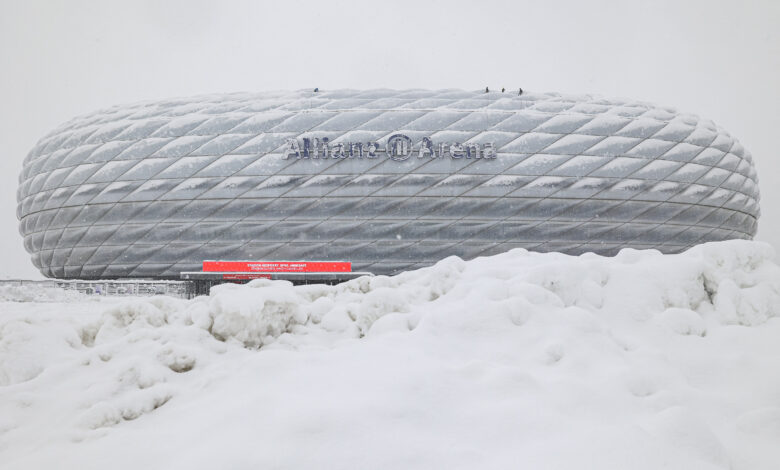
pixel 386 180
pixel 399 147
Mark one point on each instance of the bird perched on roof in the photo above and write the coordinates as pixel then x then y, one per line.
pixel 503 89
pixel 316 90
pixel 487 90
pixel 520 92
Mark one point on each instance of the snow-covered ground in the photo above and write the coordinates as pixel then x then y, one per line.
pixel 522 360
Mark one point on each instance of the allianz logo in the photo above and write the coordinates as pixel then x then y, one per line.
pixel 399 147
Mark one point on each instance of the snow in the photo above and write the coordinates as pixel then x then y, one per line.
pixel 545 361
pixel 26 293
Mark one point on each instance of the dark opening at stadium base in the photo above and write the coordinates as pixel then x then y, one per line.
pixel 201 286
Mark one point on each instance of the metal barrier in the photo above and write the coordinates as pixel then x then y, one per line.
pixel 143 288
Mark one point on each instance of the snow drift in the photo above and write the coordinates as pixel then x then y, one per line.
pixel 643 360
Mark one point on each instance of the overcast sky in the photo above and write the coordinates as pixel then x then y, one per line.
pixel 718 59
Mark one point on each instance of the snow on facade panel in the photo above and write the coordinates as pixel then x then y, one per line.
pixel 389 180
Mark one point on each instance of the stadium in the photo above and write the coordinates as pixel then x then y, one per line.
pixel 385 180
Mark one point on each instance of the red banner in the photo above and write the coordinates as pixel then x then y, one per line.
pixel 278 266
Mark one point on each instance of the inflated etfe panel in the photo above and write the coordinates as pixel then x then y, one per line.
pixel 387 180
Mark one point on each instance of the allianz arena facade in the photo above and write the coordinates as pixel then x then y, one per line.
pixel 388 180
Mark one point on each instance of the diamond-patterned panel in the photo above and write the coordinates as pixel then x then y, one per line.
pixel 153 188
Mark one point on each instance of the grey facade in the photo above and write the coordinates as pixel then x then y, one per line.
pixel 152 189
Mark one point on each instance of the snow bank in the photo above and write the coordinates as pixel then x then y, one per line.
pixel 643 360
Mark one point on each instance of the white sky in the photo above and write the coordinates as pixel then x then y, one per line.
pixel 58 59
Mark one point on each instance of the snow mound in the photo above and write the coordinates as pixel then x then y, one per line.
pixel 642 360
